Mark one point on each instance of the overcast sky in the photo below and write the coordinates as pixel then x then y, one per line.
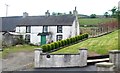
pixel 39 7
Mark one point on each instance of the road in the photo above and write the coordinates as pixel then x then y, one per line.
pixel 87 68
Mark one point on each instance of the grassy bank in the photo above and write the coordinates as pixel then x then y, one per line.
pixel 0 54
pixel 18 48
pixel 99 45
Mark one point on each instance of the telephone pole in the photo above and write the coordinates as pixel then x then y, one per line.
pixel 6 9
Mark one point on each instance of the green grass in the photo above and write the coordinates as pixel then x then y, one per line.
pixel 94 21
pixel 99 45
pixel 20 48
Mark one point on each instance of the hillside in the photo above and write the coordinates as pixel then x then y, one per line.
pixel 99 45
pixel 94 21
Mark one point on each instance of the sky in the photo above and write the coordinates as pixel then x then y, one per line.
pixel 39 7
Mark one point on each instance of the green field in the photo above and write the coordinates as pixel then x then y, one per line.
pixel 18 48
pixel 99 45
pixel 94 21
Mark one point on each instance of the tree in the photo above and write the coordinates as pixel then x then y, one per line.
pixel 59 13
pixel 113 10
pixel 106 14
pixel 93 15
pixel 70 12
pixel 54 13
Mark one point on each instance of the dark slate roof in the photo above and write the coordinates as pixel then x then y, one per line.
pixel 65 20
pixel 9 23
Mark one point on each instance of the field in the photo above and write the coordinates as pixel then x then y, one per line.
pixel 99 45
pixel 18 48
pixel 94 21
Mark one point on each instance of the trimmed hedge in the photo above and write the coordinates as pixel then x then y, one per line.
pixel 62 43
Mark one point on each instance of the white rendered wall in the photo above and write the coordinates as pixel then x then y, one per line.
pixel 35 39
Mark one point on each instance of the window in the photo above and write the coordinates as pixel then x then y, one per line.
pixel 27 38
pixel 59 37
pixel 45 28
pixel 59 29
pixel 28 29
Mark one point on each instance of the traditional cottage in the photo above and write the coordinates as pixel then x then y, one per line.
pixel 40 30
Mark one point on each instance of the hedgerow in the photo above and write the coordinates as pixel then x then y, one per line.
pixel 62 43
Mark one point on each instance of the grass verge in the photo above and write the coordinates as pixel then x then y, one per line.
pixel 0 54
pixel 18 48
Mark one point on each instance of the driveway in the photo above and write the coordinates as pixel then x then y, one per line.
pixel 18 61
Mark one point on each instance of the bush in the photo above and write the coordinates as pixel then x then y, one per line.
pixel 52 46
pixel 56 45
pixel 80 37
pixel 77 38
pixel 71 41
pixel 63 43
pixel 44 47
pixel 68 41
pixel 74 39
pixel 59 43
pixel 49 47
pixel 86 35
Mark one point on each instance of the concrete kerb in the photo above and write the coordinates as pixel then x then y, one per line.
pixel 105 66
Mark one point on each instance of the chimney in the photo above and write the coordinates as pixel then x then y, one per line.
pixel 47 13
pixel 75 11
pixel 25 14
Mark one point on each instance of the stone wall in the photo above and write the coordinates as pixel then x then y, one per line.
pixel 60 60
pixel 113 64
pixel 115 58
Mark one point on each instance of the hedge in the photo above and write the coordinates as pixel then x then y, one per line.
pixel 62 43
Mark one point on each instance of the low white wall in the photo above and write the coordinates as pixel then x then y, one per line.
pixel 60 60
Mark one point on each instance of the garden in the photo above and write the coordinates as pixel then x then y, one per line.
pixel 99 45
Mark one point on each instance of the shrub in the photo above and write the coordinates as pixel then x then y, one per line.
pixel 52 46
pixel 49 47
pixel 82 36
pixel 44 47
pixel 77 38
pixel 63 43
pixel 56 45
pixel 70 40
pixel 59 43
pixel 86 35
pixel 74 39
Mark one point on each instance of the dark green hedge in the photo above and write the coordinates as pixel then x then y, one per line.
pixel 62 43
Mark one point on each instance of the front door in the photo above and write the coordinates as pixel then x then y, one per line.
pixel 43 39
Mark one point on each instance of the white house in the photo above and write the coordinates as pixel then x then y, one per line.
pixel 45 29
